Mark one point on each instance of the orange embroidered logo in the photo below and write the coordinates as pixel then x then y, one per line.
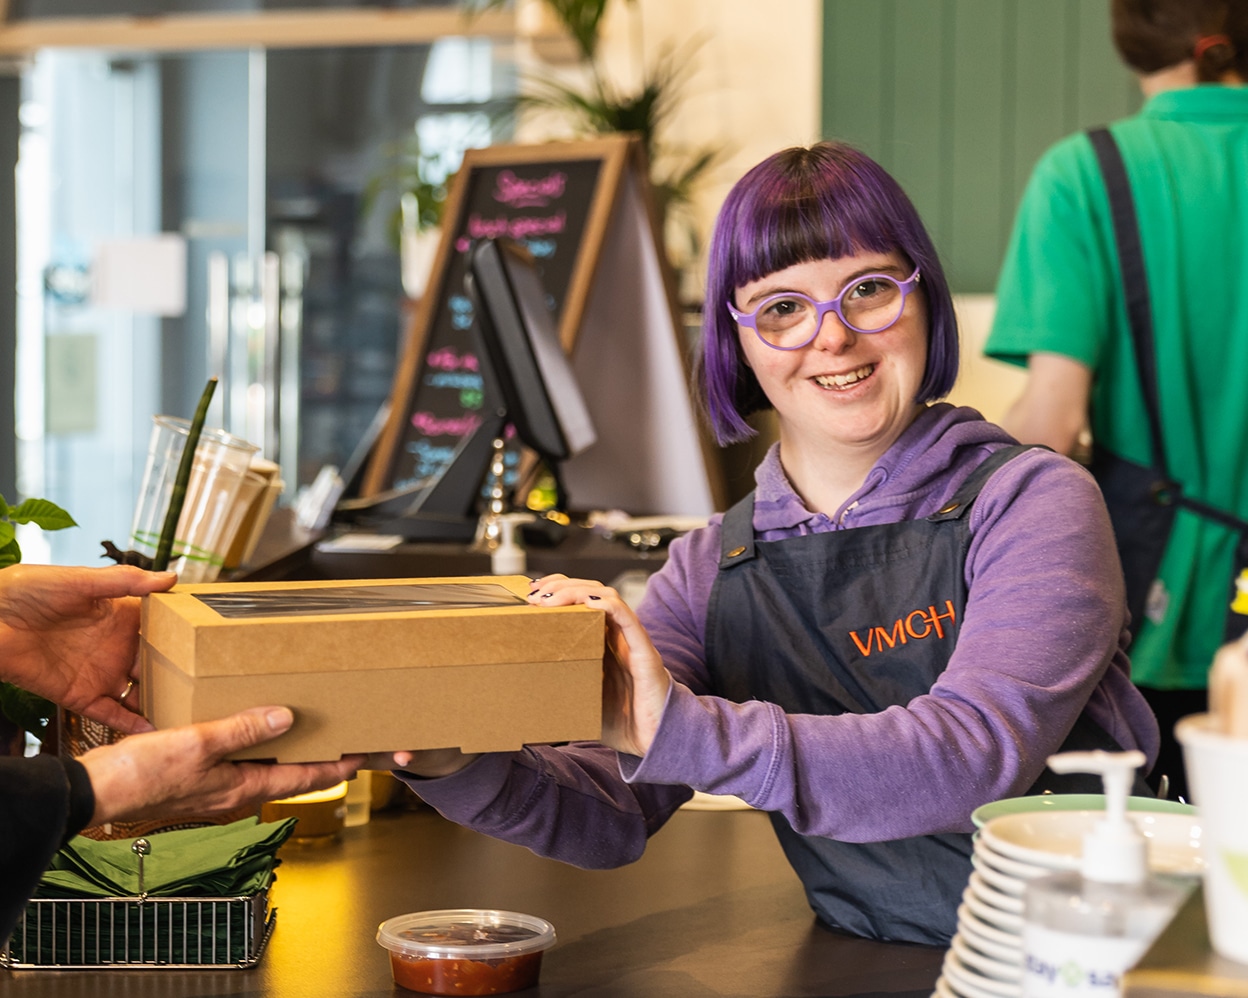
pixel 917 624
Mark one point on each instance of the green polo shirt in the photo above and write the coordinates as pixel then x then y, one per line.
pixel 1186 153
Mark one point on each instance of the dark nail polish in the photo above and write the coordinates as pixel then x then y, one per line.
pixel 595 597
pixel 547 595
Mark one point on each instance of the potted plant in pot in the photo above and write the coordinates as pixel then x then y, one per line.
pixel 598 107
pixel 21 712
pixel 417 180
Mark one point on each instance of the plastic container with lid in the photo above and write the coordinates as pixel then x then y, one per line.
pixel 466 951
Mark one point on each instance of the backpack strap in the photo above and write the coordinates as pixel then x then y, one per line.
pixel 1140 314
pixel 1134 282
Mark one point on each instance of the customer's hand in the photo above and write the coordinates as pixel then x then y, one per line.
pixel 71 635
pixel 181 771
pixel 635 681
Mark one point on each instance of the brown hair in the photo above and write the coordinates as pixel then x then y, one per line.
pixel 1152 35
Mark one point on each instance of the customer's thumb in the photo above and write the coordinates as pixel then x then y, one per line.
pixel 250 727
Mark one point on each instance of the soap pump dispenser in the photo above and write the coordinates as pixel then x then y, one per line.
pixel 1082 931
pixel 508 557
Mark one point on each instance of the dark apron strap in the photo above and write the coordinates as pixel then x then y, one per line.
pixel 736 543
pixel 736 534
pixel 958 506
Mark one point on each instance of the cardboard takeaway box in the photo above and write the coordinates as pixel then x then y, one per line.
pixel 378 665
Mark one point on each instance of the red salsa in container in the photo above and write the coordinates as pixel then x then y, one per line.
pixel 466 951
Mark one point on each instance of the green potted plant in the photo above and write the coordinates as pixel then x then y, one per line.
pixel 599 107
pixel 22 712
pixel 413 183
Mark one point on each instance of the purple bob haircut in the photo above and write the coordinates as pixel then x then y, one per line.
pixel 802 204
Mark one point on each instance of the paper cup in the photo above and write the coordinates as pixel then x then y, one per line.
pixel 1215 764
pixel 253 511
pixel 217 474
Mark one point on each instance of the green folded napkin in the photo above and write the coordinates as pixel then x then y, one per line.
pixel 216 863
pixel 233 860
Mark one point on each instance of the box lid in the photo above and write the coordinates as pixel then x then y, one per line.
pixel 214 629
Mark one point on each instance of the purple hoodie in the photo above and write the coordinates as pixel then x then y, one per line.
pixel 1042 636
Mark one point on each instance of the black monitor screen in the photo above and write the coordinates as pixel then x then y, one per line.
pixel 522 347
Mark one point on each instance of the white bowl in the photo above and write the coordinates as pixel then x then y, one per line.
pixel 973 931
pixel 972 984
pixel 1006 865
pixel 1054 839
pixel 990 895
pixel 1070 802
pixel 1003 920
pixel 981 931
pixel 998 970
pixel 997 880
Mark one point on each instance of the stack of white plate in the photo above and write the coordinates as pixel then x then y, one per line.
pixel 1014 845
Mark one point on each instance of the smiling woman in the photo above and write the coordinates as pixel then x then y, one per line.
pixel 877 640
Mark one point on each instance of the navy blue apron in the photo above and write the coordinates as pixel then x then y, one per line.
pixel 855 621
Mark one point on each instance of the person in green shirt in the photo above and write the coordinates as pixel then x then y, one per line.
pixel 1061 313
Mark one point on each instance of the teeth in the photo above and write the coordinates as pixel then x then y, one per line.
pixel 843 380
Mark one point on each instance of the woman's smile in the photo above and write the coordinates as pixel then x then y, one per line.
pixel 840 382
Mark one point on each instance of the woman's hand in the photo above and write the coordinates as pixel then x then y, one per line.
pixel 429 763
pixel 182 771
pixel 635 682
pixel 71 635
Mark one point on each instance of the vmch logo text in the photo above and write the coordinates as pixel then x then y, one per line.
pixel 914 626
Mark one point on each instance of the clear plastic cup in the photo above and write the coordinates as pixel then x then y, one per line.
pixel 217 474
pixel 466 951
pixel 1215 765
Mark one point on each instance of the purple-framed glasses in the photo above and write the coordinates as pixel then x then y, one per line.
pixel 789 320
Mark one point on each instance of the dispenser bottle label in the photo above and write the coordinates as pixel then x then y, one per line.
pixel 1062 965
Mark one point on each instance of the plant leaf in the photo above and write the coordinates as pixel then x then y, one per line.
pixel 43 513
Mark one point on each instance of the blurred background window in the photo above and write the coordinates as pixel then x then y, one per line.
pixel 277 177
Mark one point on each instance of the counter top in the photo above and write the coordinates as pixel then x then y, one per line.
pixel 712 908
pixel 288 552
pixel 1181 961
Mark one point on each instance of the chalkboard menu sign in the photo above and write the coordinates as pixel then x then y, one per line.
pixel 585 211
pixel 555 199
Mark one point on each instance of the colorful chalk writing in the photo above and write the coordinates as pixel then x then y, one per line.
pixel 545 206
pixel 448 359
pixel 521 229
pixel 429 425
pixel 535 192
pixel 541 248
pixel 429 459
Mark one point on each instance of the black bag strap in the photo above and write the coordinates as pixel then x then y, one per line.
pixel 1140 315
pixel 1134 282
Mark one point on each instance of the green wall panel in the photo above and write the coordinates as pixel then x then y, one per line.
pixel 958 98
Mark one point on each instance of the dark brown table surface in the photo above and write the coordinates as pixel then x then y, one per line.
pixel 712 908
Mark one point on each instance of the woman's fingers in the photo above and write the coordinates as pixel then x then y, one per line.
pixel 635 681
